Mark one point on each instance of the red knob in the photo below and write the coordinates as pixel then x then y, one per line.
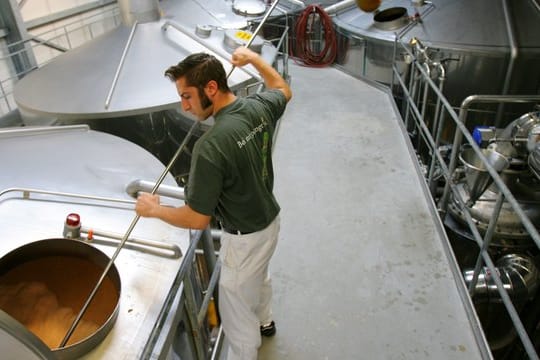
pixel 73 219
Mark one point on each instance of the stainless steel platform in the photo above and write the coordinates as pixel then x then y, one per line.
pixel 363 269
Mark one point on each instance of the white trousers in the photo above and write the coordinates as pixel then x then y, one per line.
pixel 245 289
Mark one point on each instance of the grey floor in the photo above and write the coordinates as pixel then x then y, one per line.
pixel 362 269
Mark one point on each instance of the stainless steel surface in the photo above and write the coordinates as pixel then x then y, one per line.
pixel 141 11
pixel 519 274
pixel 507 153
pixel 21 343
pixel 249 7
pixel 77 160
pixel 477 178
pixel 236 38
pixel 471 39
pixel 65 89
pixel 203 31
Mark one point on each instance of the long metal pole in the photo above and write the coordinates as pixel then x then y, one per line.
pixel 137 217
pixel 120 65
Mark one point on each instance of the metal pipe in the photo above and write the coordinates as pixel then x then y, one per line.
pixel 412 86
pixel 209 294
pixel 191 306
pixel 42 130
pixel 148 243
pixel 136 186
pixel 487 241
pixel 342 5
pixel 437 128
pixel 519 274
pixel 297 2
pixel 442 78
pixel 27 191
pixel 120 65
pixel 513 56
pixel 217 347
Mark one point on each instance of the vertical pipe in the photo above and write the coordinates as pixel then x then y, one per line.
pixel 513 57
pixel 209 252
pixel 412 83
pixel 191 311
pixel 487 241
pixel 437 130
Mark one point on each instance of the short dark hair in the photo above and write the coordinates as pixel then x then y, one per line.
pixel 199 69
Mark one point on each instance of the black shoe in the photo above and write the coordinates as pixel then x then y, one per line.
pixel 268 330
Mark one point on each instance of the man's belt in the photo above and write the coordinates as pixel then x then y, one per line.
pixel 235 231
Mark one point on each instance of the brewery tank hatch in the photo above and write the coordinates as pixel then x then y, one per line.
pixel 249 7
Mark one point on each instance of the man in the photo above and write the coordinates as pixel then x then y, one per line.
pixel 231 178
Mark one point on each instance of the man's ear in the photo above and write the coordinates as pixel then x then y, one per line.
pixel 211 88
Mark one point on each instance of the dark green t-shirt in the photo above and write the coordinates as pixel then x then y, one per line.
pixel 231 175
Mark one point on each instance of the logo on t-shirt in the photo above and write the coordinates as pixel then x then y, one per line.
pixel 265 144
pixel 252 133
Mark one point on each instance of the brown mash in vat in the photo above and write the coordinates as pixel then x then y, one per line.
pixel 46 294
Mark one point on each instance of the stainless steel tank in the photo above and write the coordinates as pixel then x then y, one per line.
pixel 116 83
pixel 121 73
pixel 56 171
pixel 487 47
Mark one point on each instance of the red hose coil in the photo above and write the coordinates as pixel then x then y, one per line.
pixel 304 40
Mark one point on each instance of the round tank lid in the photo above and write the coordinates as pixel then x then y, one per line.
pixel 249 7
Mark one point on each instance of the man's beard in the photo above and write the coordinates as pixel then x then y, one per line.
pixel 205 100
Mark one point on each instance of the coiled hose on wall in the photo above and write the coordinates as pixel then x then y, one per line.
pixel 305 28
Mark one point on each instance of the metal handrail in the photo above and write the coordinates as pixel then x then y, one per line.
pixel 195 314
pixel 462 133
pixel 27 191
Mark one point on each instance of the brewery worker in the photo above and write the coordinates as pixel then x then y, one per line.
pixel 231 178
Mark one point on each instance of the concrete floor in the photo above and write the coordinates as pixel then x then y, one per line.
pixel 363 269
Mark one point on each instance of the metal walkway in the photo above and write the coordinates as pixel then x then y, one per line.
pixel 363 269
